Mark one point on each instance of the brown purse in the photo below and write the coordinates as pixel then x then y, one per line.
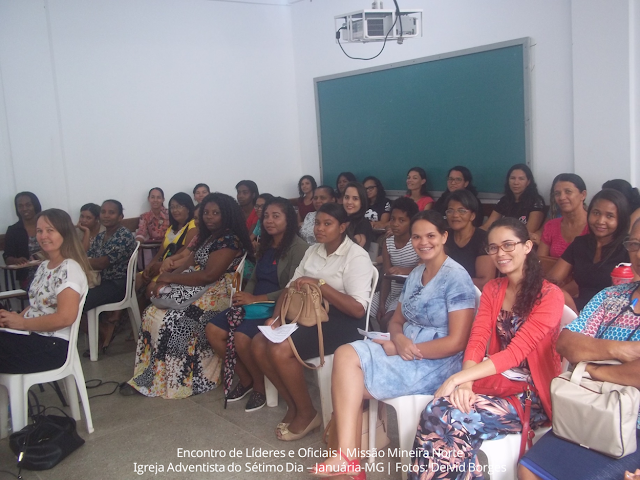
pixel 306 307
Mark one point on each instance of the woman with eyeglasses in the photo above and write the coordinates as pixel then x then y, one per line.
pixel 508 363
pixel 608 328
pixel 379 211
pixel 465 243
pixel 591 258
pixel 459 178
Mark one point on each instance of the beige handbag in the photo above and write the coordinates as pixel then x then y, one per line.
pixel 307 308
pixel 601 416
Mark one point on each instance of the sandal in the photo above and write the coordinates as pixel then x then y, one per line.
pixel 352 468
pixel 287 436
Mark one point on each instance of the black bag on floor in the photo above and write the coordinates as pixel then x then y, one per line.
pixel 46 442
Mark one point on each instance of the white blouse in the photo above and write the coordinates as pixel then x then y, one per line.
pixel 47 284
pixel 348 269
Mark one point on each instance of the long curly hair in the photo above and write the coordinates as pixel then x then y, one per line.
pixel 232 221
pixel 530 288
pixel 266 240
pixel 530 194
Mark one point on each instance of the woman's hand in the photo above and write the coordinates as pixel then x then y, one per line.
pixel 243 298
pixel 82 228
pixel 155 291
pixel 12 320
pixel 388 346
pixel 168 265
pixel 406 348
pixel 460 396
pixel 305 281
pixel 273 322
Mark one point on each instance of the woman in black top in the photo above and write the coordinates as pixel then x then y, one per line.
pixel 460 178
pixel 20 242
pixel 354 202
pixel 521 200
pixel 465 243
pixel 379 211
pixel 592 257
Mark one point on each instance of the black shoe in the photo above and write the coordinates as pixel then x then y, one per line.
pixel 256 401
pixel 239 392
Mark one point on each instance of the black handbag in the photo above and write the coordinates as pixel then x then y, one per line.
pixel 46 442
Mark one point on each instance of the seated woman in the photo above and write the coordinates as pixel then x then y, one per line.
pixel 109 254
pixel 55 295
pixel 89 224
pixel 262 199
pixel 417 188
pixel 20 243
pixel 247 193
pixel 341 184
pixel 592 257
pixel 569 194
pixel 153 224
pixel 460 178
pixel 306 185
pixel 379 206
pixel 200 191
pixel 515 327
pixel 466 243
pixel 279 254
pixel 321 195
pixel 630 193
pixel 172 360
pixel 429 330
pixel 521 200
pixel 343 272
pixel 606 329
pixel 398 258
pixel 354 203
pixel 182 230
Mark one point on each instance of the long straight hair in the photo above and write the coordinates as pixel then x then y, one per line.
pixel 71 246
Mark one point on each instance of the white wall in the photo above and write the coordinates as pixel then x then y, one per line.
pixel 109 98
pixel 451 25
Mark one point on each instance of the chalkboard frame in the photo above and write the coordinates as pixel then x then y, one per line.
pixel 524 43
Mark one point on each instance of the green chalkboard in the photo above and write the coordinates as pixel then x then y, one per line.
pixel 464 108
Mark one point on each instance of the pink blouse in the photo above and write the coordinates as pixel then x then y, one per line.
pixel 552 236
pixel 152 228
pixel 423 202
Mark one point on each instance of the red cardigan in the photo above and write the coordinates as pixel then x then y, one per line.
pixel 535 340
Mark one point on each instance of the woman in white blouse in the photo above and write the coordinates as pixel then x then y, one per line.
pixel 343 271
pixel 55 295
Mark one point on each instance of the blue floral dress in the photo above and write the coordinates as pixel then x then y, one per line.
pixel 426 311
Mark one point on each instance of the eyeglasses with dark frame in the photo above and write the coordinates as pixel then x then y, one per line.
pixel 631 245
pixel 460 211
pixel 506 247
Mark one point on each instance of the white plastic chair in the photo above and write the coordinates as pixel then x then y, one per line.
pixel 18 386
pixel 324 373
pixel 502 455
pixel 130 302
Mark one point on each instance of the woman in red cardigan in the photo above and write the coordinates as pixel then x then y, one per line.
pixel 508 364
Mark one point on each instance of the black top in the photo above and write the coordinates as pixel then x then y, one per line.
pixel 375 211
pixel 591 277
pixel 441 205
pixel 361 227
pixel 16 245
pixel 519 210
pixel 466 256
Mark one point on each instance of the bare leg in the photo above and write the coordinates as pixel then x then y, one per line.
pixel 292 374
pixel 259 349
pixel 526 474
pixel 245 358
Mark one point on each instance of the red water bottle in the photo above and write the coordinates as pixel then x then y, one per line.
pixel 622 274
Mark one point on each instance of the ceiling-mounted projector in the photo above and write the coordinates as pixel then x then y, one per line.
pixel 376 25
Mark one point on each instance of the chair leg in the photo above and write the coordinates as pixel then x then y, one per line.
pixel 272 393
pixel 82 388
pixel 92 324
pixel 72 392
pixel 134 317
pixel 324 384
pixel 373 423
pixel 4 412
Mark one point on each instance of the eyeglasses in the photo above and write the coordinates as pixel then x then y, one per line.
pixel 506 247
pixel 176 208
pixel 455 180
pixel 459 211
pixel 258 206
pixel 631 245
pixel 368 189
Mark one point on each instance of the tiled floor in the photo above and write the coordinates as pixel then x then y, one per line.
pixel 135 431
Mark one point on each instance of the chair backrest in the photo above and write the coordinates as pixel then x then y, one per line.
pixel 478 295
pixel 374 248
pixel 374 283
pixel 131 271
pixel 568 316
pixel 72 352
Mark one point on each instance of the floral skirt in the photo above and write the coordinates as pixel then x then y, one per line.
pixel 173 357
pixel 448 440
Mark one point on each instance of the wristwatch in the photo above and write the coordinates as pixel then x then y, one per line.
pixel 321 282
